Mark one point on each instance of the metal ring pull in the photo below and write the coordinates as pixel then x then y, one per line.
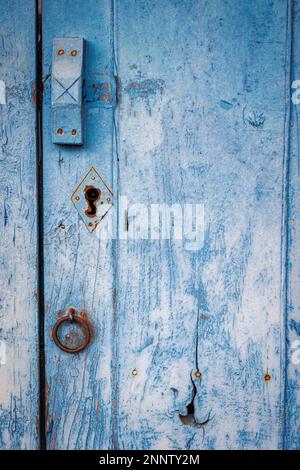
pixel 71 317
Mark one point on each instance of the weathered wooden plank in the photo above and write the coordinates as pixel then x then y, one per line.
pixel 78 264
pixel 292 396
pixel 202 120
pixel 18 225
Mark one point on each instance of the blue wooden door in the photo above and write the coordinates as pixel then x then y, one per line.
pixel 190 281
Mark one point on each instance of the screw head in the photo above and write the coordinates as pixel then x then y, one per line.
pixel 134 372
pixel 74 53
pixel 74 132
pixel 198 374
pixel 267 377
pixel 108 199
pixel 60 131
pixel 77 198
pixel 60 52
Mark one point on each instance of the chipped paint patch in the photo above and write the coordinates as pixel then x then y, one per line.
pixel 2 353
pixel 144 88
pixel 226 105
pixel 255 119
pixel 2 92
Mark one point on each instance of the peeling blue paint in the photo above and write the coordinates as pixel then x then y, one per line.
pixel 255 119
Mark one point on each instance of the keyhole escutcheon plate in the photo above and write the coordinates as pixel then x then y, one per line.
pixel 92 199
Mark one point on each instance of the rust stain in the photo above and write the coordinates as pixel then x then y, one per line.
pixel 47 406
pixel 115 298
pixel 118 89
pixel 99 92
pixel 144 88
pixel 33 94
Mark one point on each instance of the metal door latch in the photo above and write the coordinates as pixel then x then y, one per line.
pixel 66 95
pixel 92 199
pixel 72 317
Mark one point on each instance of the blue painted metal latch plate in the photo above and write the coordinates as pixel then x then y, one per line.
pixel 66 96
pixel 92 199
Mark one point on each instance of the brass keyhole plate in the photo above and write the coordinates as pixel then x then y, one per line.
pixel 92 199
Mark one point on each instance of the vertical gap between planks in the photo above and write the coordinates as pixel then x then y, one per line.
pixel 115 247
pixel 285 218
pixel 40 248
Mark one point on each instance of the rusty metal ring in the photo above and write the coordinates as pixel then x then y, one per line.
pixel 71 317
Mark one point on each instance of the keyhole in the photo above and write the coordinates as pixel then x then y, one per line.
pixel 92 195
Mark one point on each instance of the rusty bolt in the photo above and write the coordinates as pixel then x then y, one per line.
pixel 134 372
pixel 267 377
pixel 198 374
pixel 74 132
pixel 60 52
pixel 77 198
pixel 91 224
pixel 74 53
pixel 59 131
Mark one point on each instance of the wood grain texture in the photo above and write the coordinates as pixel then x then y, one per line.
pixel 78 264
pixel 292 397
pixel 18 216
pixel 212 130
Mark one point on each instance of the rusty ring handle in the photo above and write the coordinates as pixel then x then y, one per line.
pixel 72 317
